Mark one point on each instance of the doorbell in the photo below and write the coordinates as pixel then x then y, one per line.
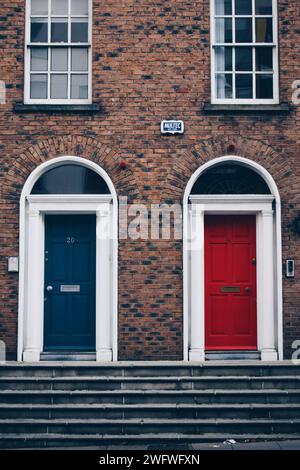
pixel 290 268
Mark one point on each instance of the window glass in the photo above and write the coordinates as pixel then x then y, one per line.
pixel 263 7
pixel 38 86
pixel 79 30
pixel 39 30
pixel 79 86
pixel 243 30
pixel 39 7
pixel 264 86
pixel 59 7
pixel 243 7
pixel 244 86
pixel 79 59
pixel 70 179
pixel 223 30
pixel 79 7
pixel 39 59
pixel 223 7
pixel 59 30
pixel 264 59
pixel 59 59
pixel 223 59
pixel 59 86
pixel 243 59
pixel 264 29
pixel 228 178
pixel 224 85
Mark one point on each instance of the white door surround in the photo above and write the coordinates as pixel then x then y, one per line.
pixel 269 272
pixel 31 281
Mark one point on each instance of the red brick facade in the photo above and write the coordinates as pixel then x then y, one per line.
pixel 151 61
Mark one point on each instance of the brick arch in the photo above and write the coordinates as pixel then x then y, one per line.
pixel 208 149
pixel 47 149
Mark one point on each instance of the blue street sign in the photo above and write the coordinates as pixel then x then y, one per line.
pixel 172 127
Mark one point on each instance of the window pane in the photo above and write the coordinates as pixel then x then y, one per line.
pixel 59 59
pixel 59 7
pixel 59 30
pixel 79 59
pixel 223 59
pixel 79 30
pixel 223 30
pixel 38 86
pixel 264 30
pixel 59 86
pixel 244 86
pixel 243 59
pixel 39 30
pixel 263 7
pixel 39 59
pixel 228 178
pixel 264 86
pixel 243 7
pixel 79 87
pixel 264 59
pixel 39 7
pixel 79 7
pixel 71 179
pixel 224 85
pixel 223 7
pixel 243 27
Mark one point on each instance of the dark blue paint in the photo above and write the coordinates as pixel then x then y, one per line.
pixel 70 259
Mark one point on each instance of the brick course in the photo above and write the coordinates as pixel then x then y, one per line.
pixel 151 61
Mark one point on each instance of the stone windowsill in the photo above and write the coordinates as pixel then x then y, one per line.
pixel 209 108
pixel 57 108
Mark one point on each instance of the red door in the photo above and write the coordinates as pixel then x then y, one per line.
pixel 230 282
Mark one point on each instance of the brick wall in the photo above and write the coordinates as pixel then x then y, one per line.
pixel 150 62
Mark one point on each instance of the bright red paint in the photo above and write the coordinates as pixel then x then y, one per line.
pixel 230 260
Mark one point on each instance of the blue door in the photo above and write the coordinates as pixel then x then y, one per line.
pixel 70 274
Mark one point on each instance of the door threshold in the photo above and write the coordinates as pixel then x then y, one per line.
pixel 68 356
pixel 232 355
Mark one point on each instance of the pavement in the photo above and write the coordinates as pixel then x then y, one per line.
pixel 229 445
pixel 276 445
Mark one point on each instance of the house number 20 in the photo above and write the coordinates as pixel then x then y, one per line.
pixel 70 239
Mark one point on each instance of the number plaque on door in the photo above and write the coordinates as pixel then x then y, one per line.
pixel 70 288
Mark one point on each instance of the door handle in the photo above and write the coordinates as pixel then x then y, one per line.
pixel 49 288
pixel 247 289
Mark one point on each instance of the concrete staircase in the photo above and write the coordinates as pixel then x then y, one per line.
pixel 87 405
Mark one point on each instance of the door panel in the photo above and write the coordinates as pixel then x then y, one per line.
pixel 230 282
pixel 70 270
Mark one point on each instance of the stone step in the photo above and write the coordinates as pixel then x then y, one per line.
pixel 97 441
pixel 150 383
pixel 147 425
pixel 155 411
pixel 149 396
pixel 148 369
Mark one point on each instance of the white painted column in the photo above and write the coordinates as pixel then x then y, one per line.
pixel 267 321
pixel 196 252
pixel 33 339
pixel 103 284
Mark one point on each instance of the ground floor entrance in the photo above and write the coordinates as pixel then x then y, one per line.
pixel 68 263
pixel 230 282
pixel 232 263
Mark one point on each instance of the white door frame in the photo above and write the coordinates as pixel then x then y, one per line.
pixel 31 282
pixel 269 265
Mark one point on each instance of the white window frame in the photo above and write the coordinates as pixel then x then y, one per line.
pixel 29 45
pixel 254 101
